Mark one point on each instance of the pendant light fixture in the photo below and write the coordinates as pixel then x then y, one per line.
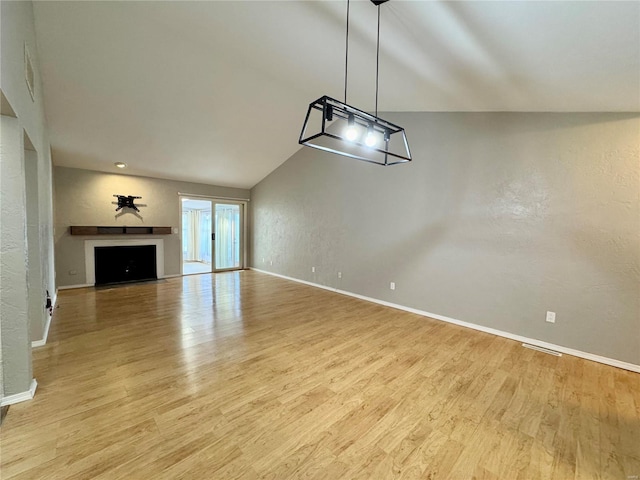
pixel 336 127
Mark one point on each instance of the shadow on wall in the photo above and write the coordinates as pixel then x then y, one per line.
pixel 539 204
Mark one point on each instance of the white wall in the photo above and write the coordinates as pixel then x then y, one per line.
pixel 35 278
pixel 17 31
pixel 16 341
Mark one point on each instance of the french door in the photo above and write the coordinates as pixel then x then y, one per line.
pixel 212 235
pixel 227 236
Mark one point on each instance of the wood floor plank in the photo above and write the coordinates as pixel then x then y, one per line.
pixel 246 376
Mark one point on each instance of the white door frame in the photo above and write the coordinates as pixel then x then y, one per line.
pixel 243 238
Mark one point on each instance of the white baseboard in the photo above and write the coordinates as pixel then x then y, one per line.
pixel 20 397
pixel 43 341
pixel 70 287
pixel 569 351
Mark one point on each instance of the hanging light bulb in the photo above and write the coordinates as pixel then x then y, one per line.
pixel 370 140
pixel 351 132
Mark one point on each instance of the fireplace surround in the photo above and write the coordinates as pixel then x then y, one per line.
pixel 90 253
pixel 125 263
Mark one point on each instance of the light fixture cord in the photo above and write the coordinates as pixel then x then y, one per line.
pixel 377 60
pixel 346 56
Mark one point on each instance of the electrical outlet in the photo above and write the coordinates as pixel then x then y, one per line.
pixel 270 262
pixel 73 272
pixel 339 274
pixel 392 286
pixel 551 317
pixel 313 269
pixel 263 260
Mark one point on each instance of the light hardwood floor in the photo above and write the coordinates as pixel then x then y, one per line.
pixel 243 375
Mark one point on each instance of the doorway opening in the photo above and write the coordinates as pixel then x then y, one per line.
pixel 36 295
pixel 212 235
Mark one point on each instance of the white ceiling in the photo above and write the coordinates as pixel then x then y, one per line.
pixel 216 92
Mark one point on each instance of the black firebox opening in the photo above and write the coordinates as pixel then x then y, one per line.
pixel 125 264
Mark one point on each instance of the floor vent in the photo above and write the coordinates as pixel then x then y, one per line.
pixel 541 349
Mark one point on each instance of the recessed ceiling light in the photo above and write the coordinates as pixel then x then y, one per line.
pixel 120 164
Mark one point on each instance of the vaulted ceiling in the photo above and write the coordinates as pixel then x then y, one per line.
pixel 215 92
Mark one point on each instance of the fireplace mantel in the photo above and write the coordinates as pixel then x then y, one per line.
pixel 119 230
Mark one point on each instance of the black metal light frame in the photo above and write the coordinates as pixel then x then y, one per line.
pixel 328 135
pixel 332 109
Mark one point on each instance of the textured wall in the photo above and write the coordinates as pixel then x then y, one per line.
pixel 500 218
pixel 85 197
pixel 16 342
pixel 17 31
pixel 35 281
pixel 1 363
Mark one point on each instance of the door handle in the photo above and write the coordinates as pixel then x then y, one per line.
pixel 213 237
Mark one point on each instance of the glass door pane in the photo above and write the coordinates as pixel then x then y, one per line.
pixel 228 231
pixel 196 235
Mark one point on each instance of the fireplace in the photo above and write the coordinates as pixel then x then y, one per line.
pixel 122 264
pixel 123 260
